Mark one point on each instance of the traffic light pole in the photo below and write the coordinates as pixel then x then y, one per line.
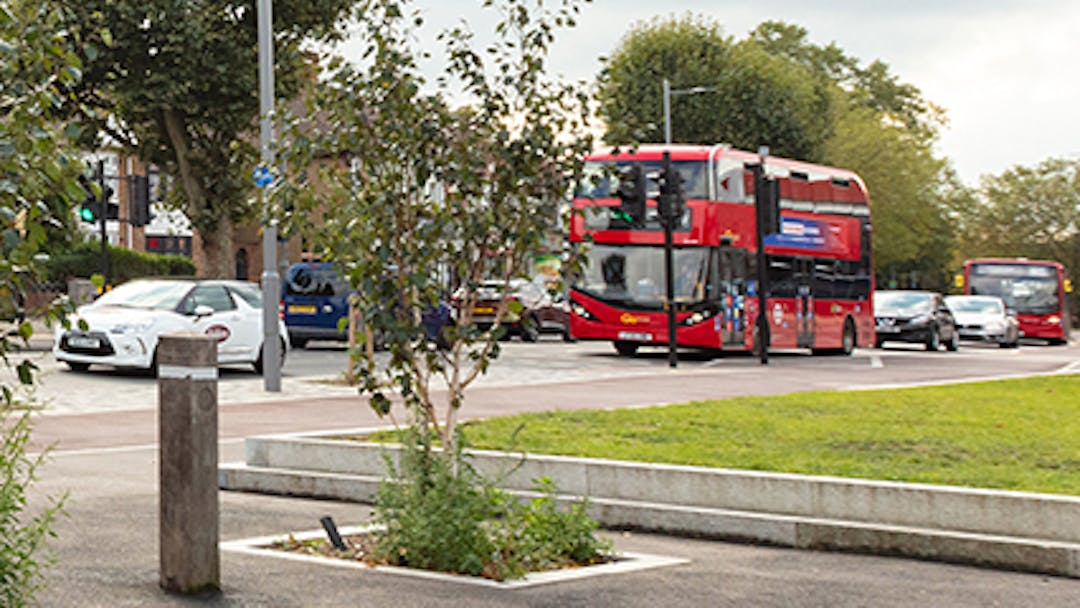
pixel 104 206
pixel 667 214
pixel 762 259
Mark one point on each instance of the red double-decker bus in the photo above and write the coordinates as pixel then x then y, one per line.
pixel 1036 289
pixel 819 269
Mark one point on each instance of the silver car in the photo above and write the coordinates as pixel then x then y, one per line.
pixel 985 319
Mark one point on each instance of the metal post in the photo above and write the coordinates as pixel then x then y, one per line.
pixel 668 218
pixel 271 281
pixel 188 463
pixel 762 261
pixel 667 111
pixel 103 215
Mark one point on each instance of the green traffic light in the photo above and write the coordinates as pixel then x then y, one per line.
pixel 87 214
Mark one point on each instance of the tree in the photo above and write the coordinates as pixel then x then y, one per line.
pixel 37 63
pixel 176 83
pixel 759 98
pixel 1024 212
pixel 908 188
pixel 421 201
pixel 418 198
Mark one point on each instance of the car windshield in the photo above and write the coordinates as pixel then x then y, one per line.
pixel 634 274
pixel 900 304
pixel 248 292
pixel 984 306
pixel 157 295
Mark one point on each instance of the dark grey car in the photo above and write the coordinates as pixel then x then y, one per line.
pixel 921 317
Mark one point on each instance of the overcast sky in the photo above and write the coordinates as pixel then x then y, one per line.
pixel 1002 69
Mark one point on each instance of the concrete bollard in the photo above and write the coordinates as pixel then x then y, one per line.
pixel 188 462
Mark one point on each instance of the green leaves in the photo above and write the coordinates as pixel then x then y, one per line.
pixel 428 200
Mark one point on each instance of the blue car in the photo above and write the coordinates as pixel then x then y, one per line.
pixel 314 299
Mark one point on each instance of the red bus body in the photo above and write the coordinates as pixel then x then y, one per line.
pixel 1035 289
pixel 820 278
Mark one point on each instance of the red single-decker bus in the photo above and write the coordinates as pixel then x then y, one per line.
pixel 819 277
pixel 1035 289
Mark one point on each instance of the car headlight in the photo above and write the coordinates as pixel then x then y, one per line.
pixel 995 326
pixel 130 328
pixel 920 320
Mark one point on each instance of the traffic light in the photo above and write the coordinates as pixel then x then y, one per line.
pixel 90 209
pixel 672 200
pixel 139 200
pixel 767 201
pixel 769 208
pixel 632 193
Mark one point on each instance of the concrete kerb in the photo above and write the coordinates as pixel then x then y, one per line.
pixel 1016 530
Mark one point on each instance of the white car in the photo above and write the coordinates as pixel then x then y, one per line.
pixel 985 318
pixel 121 328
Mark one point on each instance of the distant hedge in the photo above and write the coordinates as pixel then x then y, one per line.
pixel 84 260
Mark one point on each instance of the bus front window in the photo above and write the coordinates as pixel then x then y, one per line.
pixel 1026 294
pixel 634 275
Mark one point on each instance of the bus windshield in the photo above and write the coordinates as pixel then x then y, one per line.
pixel 1025 288
pixel 601 180
pixel 634 274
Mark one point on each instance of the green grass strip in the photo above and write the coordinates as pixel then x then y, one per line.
pixel 1010 434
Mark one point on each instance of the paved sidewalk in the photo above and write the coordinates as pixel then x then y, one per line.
pixel 107 550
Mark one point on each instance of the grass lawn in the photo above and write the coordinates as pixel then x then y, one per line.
pixel 1012 434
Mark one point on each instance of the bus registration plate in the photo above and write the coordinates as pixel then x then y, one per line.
pixel 635 335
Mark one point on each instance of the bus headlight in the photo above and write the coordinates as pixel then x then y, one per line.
pixel 581 311
pixel 1054 320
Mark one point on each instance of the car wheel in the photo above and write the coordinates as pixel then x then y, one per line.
pixel 529 329
pixel 77 367
pixel 625 349
pixel 258 363
pixel 567 337
pixel 298 342
pixel 954 343
pixel 933 343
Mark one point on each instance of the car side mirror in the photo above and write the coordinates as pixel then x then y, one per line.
pixel 202 310
pixel 1010 312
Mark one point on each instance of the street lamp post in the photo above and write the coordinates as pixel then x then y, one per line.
pixel 669 220
pixel 271 353
pixel 668 94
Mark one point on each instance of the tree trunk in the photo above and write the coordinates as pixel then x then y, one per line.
pixel 215 232
pixel 218 257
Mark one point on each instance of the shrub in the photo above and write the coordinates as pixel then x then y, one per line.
pixel 85 259
pixel 21 536
pixel 441 514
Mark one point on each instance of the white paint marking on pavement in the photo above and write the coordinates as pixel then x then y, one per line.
pixel 180 372
pixel 875 362
pixel 1070 368
pixel 122 449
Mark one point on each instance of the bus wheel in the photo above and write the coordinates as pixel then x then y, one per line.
pixel 625 349
pixel 847 342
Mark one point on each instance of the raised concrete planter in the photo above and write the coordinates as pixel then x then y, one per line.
pixel 1035 532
